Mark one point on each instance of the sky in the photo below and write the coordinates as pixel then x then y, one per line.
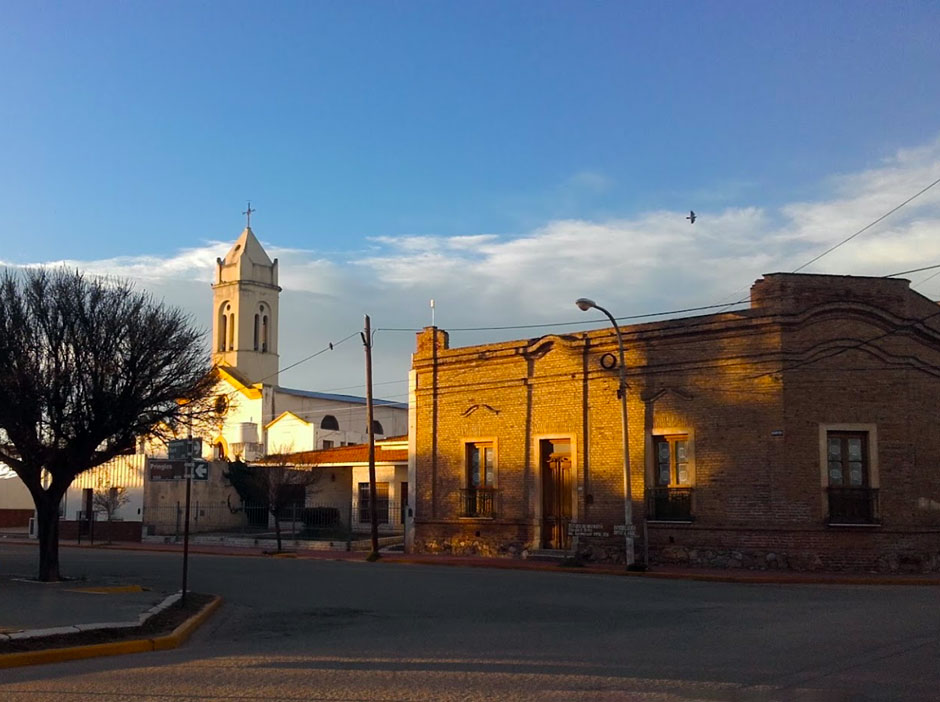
pixel 503 158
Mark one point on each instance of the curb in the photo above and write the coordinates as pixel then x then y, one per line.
pixel 742 578
pixel 117 648
pixel 692 574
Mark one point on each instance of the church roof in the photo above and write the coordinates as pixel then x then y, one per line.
pixel 284 414
pixel 239 382
pixel 350 399
pixel 247 245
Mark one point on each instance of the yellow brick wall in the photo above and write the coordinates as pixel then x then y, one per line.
pixel 723 379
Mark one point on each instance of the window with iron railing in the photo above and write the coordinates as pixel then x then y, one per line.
pixel 670 498
pixel 853 505
pixel 478 502
pixel 477 499
pixel 669 504
pixel 381 503
pixel 851 499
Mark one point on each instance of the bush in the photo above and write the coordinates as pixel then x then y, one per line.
pixel 320 517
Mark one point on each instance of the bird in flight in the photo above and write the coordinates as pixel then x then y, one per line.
pixel 691 217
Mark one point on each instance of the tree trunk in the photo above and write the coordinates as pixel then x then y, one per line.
pixel 277 529
pixel 47 512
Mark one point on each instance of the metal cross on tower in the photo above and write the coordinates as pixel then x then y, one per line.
pixel 248 213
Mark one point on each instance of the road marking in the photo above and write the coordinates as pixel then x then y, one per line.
pixel 107 589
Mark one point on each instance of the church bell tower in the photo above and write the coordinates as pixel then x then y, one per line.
pixel 244 312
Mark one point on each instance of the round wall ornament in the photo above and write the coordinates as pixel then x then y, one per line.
pixel 608 361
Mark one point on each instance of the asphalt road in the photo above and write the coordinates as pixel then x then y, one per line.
pixel 352 631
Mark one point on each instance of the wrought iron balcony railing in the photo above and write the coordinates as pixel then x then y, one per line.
pixel 853 505
pixel 669 504
pixel 478 502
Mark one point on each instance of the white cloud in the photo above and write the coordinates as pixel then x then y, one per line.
pixel 653 261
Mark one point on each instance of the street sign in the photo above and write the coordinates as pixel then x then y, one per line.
pixel 200 470
pixel 162 469
pixel 182 449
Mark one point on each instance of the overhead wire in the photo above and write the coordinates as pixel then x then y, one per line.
pixel 866 227
pixel 860 231
pixel 649 315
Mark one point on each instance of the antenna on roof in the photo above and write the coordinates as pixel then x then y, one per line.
pixel 432 311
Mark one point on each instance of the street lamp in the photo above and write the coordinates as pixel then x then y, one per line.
pixel 584 304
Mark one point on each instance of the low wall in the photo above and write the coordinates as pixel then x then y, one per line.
pixel 827 549
pixel 15 518
pixel 473 537
pixel 830 549
pixel 103 531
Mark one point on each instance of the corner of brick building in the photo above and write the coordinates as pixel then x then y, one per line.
pixel 429 340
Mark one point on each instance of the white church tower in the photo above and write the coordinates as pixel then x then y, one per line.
pixel 245 297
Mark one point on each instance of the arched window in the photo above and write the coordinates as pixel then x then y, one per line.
pixel 223 326
pixel 329 422
pixel 377 427
pixel 257 331
pixel 264 334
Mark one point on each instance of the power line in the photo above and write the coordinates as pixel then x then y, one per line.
pixel 362 385
pixel 582 322
pixel 313 355
pixel 860 231
pixel 913 270
pixel 328 347
pixel 866 227
pixel 929 277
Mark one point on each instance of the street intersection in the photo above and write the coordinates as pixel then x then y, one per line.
pixel 311 629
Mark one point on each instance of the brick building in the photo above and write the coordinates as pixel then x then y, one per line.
pixel 798 433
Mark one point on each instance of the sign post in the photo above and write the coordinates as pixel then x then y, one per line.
pixel 187 449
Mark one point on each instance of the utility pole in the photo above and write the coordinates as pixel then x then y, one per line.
pixel 373 507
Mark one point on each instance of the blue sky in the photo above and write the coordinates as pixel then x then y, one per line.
pixel 472 152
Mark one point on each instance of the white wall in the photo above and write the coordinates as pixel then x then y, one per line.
pixel 351 417
pixel 290 434
pixel 394 475
pixel 123 471
pixel 13 494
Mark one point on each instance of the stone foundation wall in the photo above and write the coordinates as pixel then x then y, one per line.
pixel 832 549
pixel 474 539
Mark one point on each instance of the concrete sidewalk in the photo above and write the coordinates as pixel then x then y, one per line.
pixel 28 604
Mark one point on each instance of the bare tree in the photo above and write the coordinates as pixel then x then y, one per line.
pixel 86 366
pixel 272 484
pixel 109 499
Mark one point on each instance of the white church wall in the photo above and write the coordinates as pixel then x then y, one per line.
pixel 394 420
pixel 289 434
pixel 241 426
pixel 350 416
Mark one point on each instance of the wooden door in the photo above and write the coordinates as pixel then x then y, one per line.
pixel 556 493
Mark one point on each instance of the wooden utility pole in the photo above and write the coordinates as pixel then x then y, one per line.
pixel 373 507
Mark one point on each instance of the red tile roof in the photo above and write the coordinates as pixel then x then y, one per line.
pixel 358 453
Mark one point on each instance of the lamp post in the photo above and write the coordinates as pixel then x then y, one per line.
pixel 584 304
